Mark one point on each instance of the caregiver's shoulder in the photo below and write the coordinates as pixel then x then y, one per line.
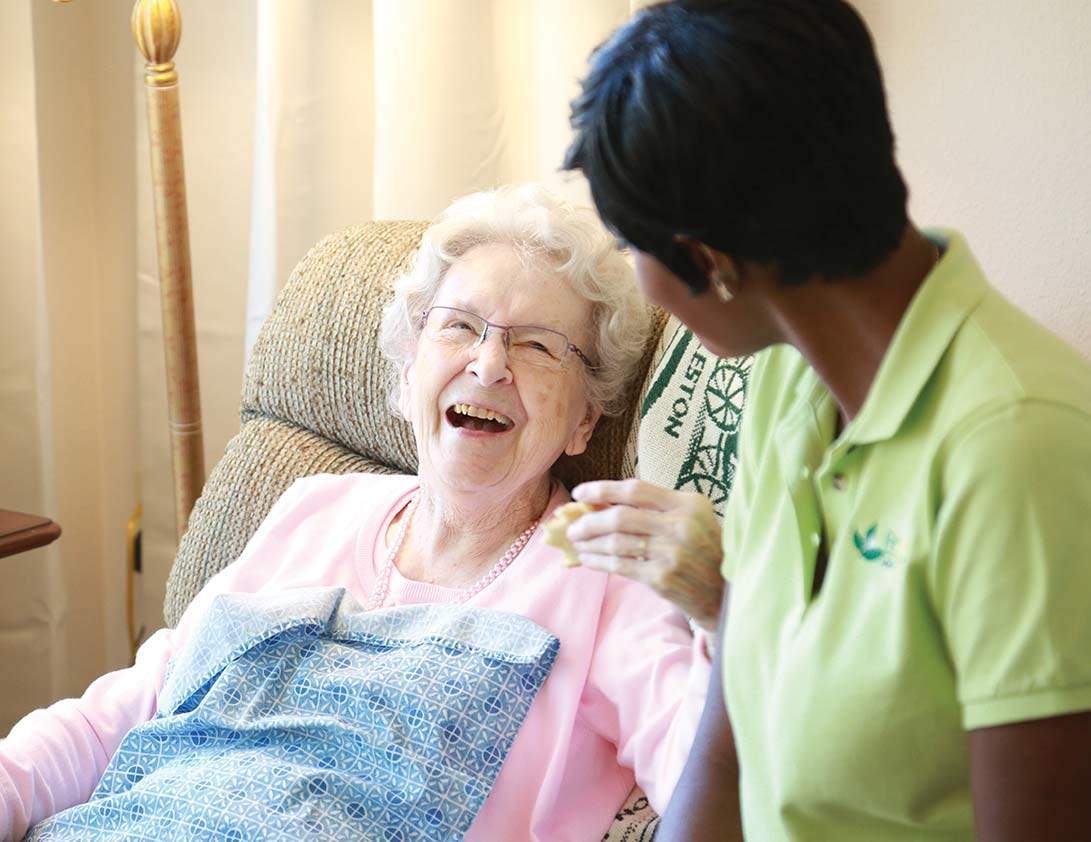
pixel 1014 359
pixel 1015 402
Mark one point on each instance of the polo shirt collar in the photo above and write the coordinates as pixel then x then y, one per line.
pixel 948 295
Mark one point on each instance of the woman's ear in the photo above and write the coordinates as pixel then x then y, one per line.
pixel 720 269
pixel 577 442
pixel 404 389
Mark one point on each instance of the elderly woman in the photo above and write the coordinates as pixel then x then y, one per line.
pixel 398 657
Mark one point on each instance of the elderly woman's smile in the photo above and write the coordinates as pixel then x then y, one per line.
pixel 478 419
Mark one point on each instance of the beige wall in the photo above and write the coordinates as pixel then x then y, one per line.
pixel 991 101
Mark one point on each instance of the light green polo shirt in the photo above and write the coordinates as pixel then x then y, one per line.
pixel 957 512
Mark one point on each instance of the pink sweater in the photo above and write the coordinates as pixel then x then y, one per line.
pixel 623 698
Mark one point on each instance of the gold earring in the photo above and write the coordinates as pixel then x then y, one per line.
pixel 719 286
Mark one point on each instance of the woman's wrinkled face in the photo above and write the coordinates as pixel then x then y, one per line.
pixel 485 421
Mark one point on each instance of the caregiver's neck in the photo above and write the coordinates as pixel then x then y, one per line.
pixel 456 537
pixel 845 327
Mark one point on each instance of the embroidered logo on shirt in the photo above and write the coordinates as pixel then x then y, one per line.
pixel 874 551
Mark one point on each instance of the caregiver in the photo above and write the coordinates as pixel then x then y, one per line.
pixel 907 654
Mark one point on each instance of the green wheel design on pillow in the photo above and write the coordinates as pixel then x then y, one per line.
pixel 694 401
pixel 725 392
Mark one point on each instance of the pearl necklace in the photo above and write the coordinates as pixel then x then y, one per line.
pixel 382 581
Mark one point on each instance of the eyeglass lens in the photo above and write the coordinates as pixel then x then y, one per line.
pixel 526 343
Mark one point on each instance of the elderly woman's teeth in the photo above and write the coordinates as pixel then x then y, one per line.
pixel 485 414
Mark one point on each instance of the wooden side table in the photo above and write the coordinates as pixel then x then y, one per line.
pixel 20 532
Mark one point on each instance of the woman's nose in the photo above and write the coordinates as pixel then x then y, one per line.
pixel 490 359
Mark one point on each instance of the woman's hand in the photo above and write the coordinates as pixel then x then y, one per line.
pixel 669 540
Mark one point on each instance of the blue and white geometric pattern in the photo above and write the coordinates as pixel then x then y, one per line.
pixel 300 716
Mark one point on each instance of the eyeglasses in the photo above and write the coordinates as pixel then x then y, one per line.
pixel 539 346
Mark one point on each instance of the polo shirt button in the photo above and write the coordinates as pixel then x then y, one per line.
pixel 816 540
pixel 805 472
pixel 839 482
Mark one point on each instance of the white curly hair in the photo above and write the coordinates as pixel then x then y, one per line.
pixel 545 230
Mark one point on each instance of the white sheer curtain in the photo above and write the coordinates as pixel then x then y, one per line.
pixel 68 415
pixel 312 141
pixel 389 109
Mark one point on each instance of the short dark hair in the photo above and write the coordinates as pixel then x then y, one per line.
pixel 758 127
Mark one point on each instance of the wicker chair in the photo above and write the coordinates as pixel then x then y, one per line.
pixel 314 401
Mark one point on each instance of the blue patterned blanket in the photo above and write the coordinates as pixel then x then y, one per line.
pixel 299 716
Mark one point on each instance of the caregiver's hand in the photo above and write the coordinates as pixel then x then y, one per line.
pixel 669 540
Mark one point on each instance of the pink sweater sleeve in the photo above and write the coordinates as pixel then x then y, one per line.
pixel 646 686
pixel 54 757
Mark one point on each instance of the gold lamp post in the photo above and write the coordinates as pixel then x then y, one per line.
pixel 157 28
